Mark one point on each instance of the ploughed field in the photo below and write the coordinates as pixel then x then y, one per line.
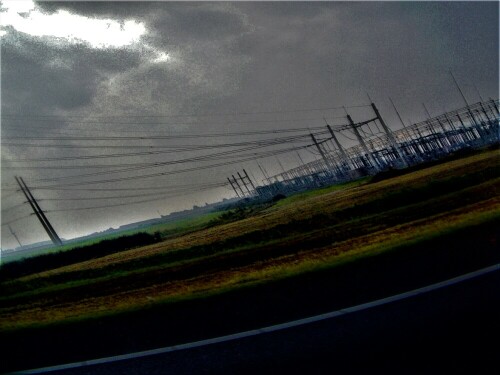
pixel 301 235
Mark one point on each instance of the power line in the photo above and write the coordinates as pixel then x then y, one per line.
pixel 76 146
pixel 10 195
pixel 58 122
pixel 187 188
pixel 194 189
pixel 176 171
pixel 162 164
pixel 127 203
pixel 115 189
pixel 199 158
pixel 138 166
pixel 15 220
pixel 260 143
pixel 192 114
pixel 12 207
pixel 15 236
pixel 157 137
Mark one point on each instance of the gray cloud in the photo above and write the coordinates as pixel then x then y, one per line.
pixel 30 77
pixel 201 36
pixel 45 77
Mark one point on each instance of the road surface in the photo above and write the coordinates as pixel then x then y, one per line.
pixel 451 328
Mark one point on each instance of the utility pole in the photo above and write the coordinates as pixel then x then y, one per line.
pixel 431 128
pixel 467 104
pixel 463 131
pixel 400 119
pixel 485 113
pixel 408 136
pixel 263 172
pixel 397 112
pixel 236 191
pixel 252 179
pixel 282 168
pixel 362 143
pixel 452 126
pixel 239 187
pixel 38 212
pixel 478 93
pixel 267 179
pixel 390 136
pixel 490 122
pixel 437 119
pixel 339 146
pixel 244 183
pixel 17 239
pixel 469 135
pixel 305 167
pixel 459 89
pixel 327 162
pixel 426 111
pixel 42 214
pixel 494 105
pixel 248 178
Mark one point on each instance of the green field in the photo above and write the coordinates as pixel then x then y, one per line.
pixel 169 229
pixel 299 235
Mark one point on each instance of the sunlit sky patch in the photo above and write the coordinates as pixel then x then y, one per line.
pixel 162 57
pixel 25 17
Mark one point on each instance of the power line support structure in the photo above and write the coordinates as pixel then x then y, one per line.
pixel 239 187
pixel 236 191
pixel 345 159
pixel 249 180
pixel 264 173
pixel 15 236
pixel 327 161
pixel 243 182
pixel 38 212
pixel 362 143
pixel 390 137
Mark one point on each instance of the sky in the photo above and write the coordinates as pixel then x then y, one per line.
pixel 114 112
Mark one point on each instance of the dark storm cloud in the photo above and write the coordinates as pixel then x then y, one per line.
pixel 337 51
pixel 28 77
pixel 200 22
pixel 44 76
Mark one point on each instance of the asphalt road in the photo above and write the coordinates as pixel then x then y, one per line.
pixel 451 330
